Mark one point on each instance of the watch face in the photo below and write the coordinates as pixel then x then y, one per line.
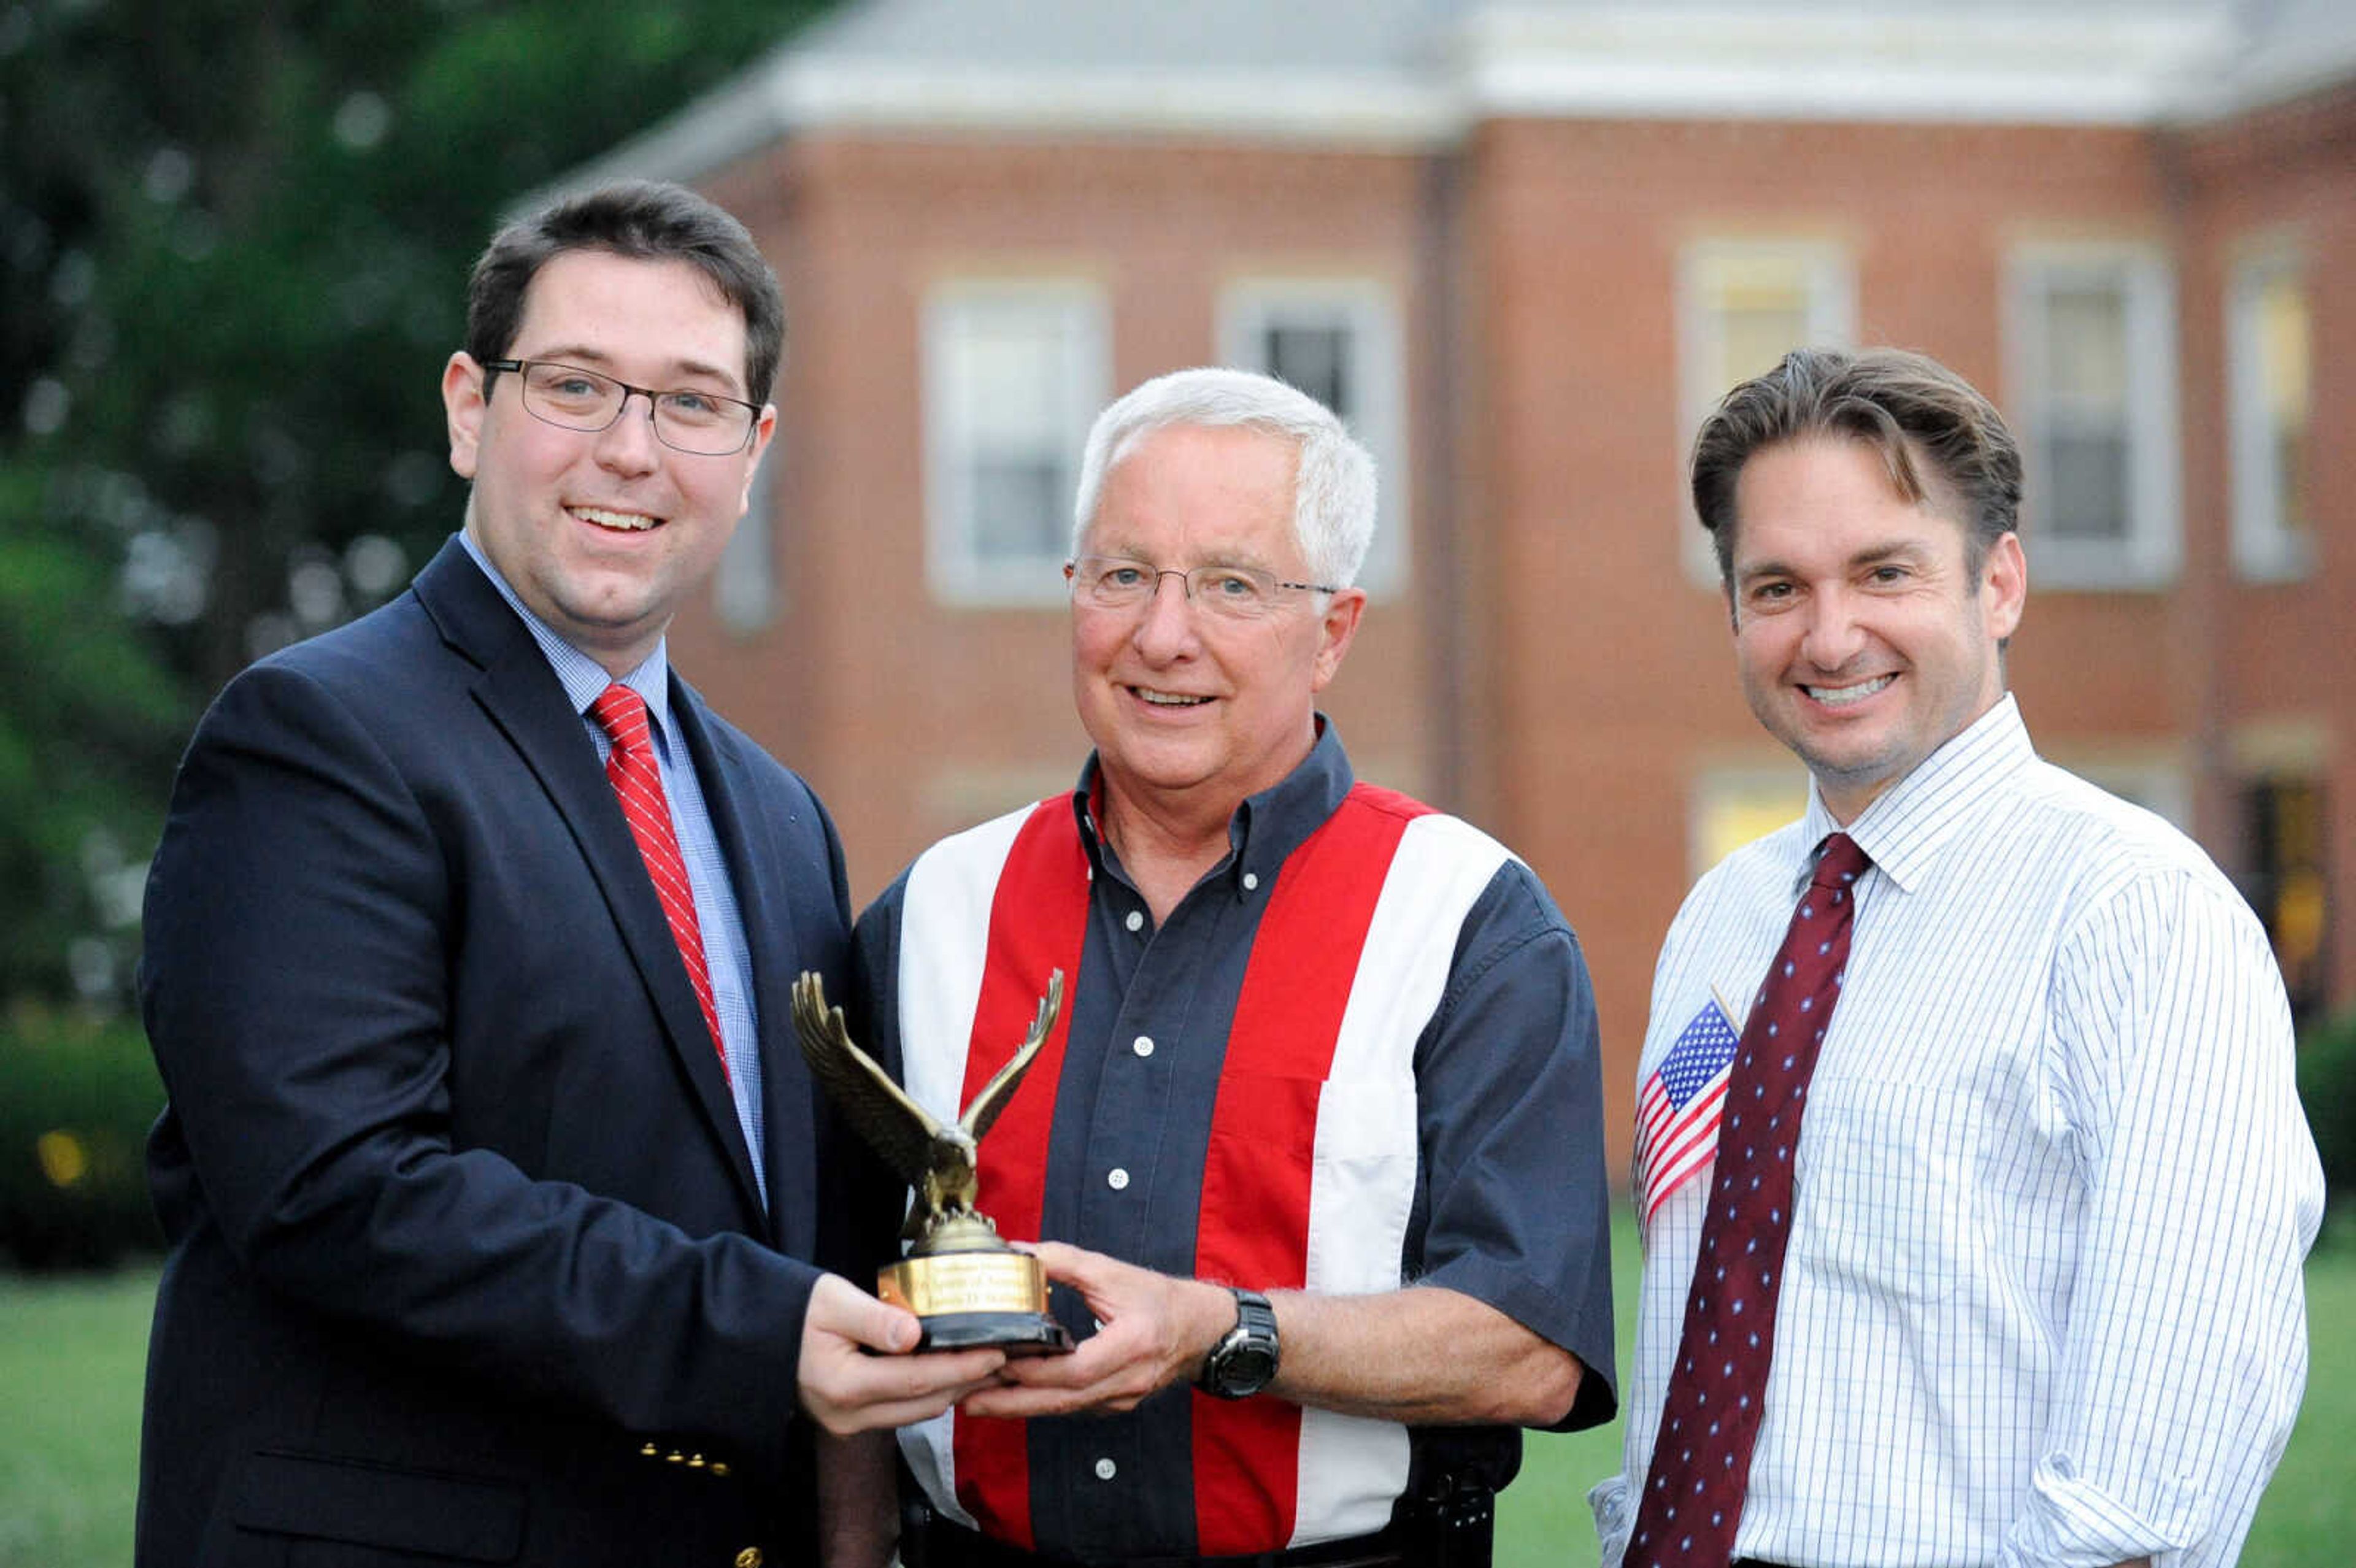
pixel 1247 1368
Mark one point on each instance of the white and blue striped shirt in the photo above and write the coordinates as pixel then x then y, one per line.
pixel 2042 1303
pixel 727 952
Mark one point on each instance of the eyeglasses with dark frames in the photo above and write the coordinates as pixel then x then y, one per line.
pixel 705 424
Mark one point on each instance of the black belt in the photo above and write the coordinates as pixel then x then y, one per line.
pixel 948 1545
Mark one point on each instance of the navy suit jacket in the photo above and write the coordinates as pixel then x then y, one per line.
pixel 468 1264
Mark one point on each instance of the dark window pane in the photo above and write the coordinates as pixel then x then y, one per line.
pixel 2284 818
pixel 1018 508
pixel 2290 478
pixel 1316 359
pixel 2086 486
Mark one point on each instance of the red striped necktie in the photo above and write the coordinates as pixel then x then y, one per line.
pixel 636 778
pixel 1718 1388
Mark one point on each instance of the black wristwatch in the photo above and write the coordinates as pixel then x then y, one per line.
pixel 1243 1361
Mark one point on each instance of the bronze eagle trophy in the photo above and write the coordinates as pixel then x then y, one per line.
pixel 965 1284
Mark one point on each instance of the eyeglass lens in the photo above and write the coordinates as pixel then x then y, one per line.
pixel 693 422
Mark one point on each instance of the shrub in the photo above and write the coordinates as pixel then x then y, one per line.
pixel 2327 1086
pixel 77 1097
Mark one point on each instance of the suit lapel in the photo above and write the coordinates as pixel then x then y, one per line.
pixel 523 697
pixel 748 843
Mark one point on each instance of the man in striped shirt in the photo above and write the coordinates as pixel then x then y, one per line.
pixel 1317 1147
pixel 2039 1297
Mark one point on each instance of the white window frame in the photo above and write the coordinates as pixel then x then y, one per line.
pixel 2264 550
pixel 957 572
pixel 1830 271
pixel 2150 553
pixel 1369 309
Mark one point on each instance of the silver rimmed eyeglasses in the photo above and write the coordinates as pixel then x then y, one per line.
pixel 706 424
pixel 1239 593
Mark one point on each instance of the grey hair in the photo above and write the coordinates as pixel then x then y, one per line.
pixel 1334 492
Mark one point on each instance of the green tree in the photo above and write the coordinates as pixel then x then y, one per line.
pixel 233 246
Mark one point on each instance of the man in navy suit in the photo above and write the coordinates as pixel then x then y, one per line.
pixel 500 1204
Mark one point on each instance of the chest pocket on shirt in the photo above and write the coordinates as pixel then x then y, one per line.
pixel 1329 1167
pixel 1885 1204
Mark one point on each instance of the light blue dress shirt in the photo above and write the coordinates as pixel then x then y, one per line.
pixel 726 950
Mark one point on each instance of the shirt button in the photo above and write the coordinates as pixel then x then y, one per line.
pixel 1136 922
pixel 1142 1045
pixel 1107 1469
pixel 1116 1179
pixel 1251 881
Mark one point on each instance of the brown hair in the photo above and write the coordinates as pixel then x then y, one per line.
pixel 645 221
pixel 1908 408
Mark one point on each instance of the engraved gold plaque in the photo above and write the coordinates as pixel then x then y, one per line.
pixel 964 1282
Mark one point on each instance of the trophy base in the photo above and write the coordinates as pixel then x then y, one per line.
pixel 1016 1333
pixel 969 1299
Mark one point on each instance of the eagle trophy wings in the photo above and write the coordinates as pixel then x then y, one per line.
pixel 934 1157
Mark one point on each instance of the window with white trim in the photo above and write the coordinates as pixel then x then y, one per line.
pixel 2091 352
pixel 1743 305
pixel 1015 369
pixel 1337 339
pixel 2268 344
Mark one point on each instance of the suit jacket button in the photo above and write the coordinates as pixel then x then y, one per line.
pixel 652 1452
pixel 695 1462
pixel 749 1558
pixel 719 1467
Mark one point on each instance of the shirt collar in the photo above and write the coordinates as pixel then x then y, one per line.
pixel 1266 828
pixel 583 677
pixel 1902 829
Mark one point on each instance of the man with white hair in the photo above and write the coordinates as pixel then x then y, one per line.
pixel 1317 1147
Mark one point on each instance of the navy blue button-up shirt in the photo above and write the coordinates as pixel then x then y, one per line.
pixel 1511 1202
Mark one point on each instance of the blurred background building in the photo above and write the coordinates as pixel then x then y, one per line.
pixel 1523 248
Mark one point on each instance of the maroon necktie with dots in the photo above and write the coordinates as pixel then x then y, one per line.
pixel 636 778
pixel 1718 1389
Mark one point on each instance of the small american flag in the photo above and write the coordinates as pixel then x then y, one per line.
pixel 1677 1113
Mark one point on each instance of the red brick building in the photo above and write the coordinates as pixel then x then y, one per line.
pixel 1523 248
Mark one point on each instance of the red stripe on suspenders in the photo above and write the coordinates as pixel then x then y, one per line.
pixel 1254 1226
pixel 1038 921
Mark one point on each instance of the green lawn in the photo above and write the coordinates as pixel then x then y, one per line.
pixel 70 1356
pixel 1543 1515
pixel 2309 1517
